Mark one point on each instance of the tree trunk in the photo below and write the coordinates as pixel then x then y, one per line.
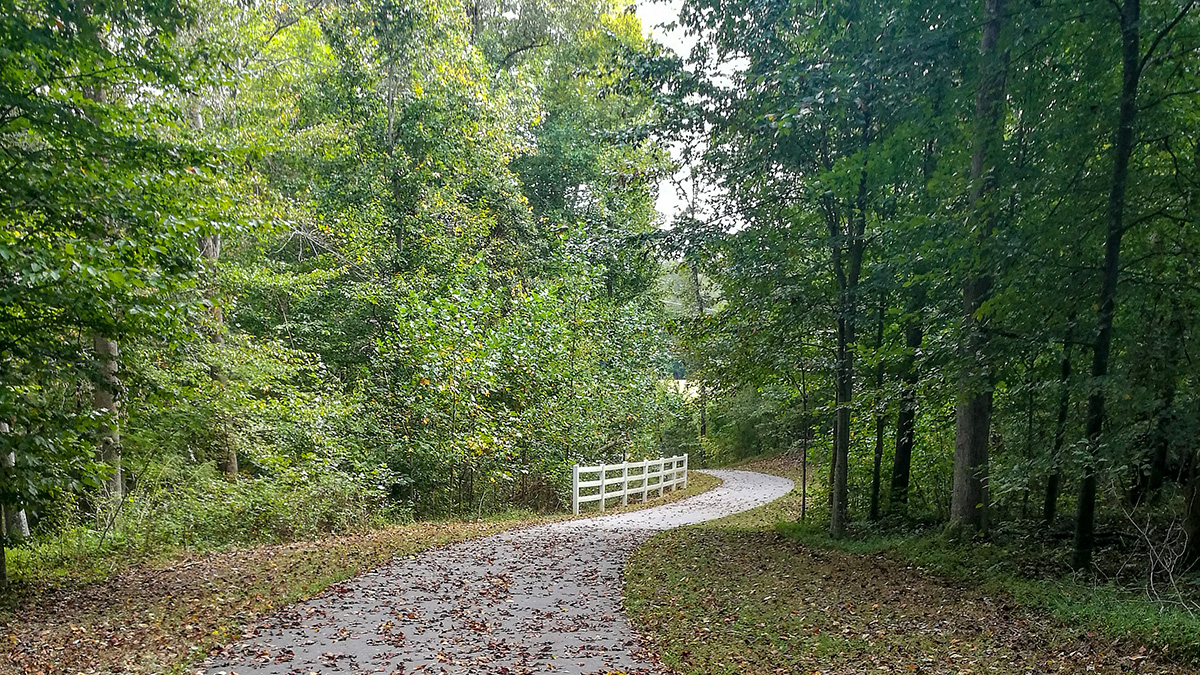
pixel 106 404
pixel 806 440
pixel 1191 517
pixel 906 418
pixel 880 417
pixel 1085 521
pixel 847 271
pixel 210 252
pixel 1149 485
pixel 700 384
pixel 841 425
pixel 973 417
pixel 16 524
pixel 1191 520
pixel 1054 481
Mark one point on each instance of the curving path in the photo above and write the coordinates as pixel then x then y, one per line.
pixel 544 599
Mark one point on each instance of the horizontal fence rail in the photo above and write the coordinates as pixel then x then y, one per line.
pixel 635 478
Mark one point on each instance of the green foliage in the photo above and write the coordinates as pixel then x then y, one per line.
pixel 363 263
pixel 838 221
pixel 95 232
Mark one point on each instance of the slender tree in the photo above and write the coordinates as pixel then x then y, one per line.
pixel 906 416
pixel 1054 480
pixel 968 504
pixel 1123 142
pixel 880 412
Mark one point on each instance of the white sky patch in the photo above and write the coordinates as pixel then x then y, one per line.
pixel 655 15
pixel 676 192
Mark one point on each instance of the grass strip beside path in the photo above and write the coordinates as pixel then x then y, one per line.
pixel 738 596
pixel 150 619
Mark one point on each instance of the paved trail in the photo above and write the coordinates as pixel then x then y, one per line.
pixel 544 599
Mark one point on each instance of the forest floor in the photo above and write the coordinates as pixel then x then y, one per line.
pixel 163 617
pixel 737 595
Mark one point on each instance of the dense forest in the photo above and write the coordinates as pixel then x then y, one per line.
pixel 272 270
pixel 955 246
pixel 269 271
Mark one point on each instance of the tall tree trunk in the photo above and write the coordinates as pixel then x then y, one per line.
pixel 106 403
pixel 839 495
pixel 1054 481
pixel 914 334
pixel 1191 517
pixel 906 418
pixel 1191 520
pixel 847 270
pixel 702 388
pixel 973 417
pixel 805 441
pixel 16 524
pixel 210 253
pixel 1085 518
pixel 880 417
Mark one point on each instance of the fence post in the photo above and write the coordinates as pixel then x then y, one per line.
pixel 575 489
pixel 645 477
pixel 603 477
pixel 646 484
pixel 625 484
pixel 685 471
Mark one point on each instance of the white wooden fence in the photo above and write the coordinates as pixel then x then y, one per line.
pixel 636 478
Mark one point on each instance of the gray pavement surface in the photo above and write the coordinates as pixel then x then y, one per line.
pixel 544 599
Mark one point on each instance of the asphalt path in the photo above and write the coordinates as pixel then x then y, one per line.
pixel 544 599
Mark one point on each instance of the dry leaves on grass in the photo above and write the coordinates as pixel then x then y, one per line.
pixel 719 601
pixel 734 596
